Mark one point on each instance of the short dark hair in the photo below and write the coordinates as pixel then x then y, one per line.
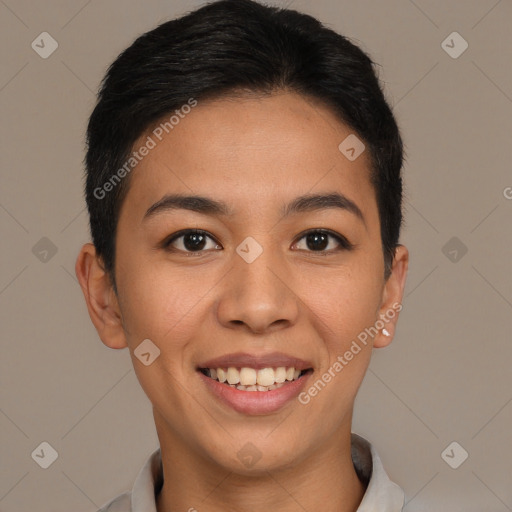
pixel 218 50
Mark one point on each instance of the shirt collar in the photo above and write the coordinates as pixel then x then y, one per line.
pixel 381 493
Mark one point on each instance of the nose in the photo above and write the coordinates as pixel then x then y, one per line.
pixel 258 297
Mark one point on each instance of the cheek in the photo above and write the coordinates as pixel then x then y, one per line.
pixel 162 307
pixel 341 308
pixel 157 304
pixel 344 302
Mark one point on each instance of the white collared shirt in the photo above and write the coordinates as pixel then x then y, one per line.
pixel 382 495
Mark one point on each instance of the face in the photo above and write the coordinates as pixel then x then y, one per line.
pixel 277 265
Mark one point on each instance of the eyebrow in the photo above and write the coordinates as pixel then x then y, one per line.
pixel 208 206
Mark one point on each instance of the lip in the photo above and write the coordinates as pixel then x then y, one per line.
pixel 255 402
pixel 242 359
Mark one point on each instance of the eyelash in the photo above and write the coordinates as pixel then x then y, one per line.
pixel 344 244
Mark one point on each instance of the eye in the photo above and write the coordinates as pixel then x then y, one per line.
pixel 191 241
pixel 195 241
pixel 318 240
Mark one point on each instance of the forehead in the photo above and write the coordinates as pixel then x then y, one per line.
pixel 251 150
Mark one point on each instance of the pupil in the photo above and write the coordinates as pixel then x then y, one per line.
pixel 317 241
pixel 194 241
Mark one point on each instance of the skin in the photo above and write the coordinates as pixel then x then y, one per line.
pixel 254 154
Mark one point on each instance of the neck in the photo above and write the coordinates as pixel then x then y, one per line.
pixel 196 484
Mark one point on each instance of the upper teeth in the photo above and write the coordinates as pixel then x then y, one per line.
pixel 249 376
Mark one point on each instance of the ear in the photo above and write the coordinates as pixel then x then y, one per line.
pixel 392 295
pixel 100 297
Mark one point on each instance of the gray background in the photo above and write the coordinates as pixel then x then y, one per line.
pixel 446 377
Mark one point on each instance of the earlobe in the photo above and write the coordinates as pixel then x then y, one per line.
pixel 392 295
pixel 100 298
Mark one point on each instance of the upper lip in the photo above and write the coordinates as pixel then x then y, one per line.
pixel 241 359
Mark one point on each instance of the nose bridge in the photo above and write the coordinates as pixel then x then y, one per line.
pixel 256 270
pixel 260 275
pixel 256 293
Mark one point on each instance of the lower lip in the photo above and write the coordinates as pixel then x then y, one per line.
pixel 255 402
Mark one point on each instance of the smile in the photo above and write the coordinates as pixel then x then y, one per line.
pixel 255 384
pixel 252 379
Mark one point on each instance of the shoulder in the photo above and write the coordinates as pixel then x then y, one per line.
pixel 121 503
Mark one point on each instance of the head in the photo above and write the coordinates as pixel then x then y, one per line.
pixel 246 108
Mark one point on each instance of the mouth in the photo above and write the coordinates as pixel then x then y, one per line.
pixel 255 385
pixel 252 379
